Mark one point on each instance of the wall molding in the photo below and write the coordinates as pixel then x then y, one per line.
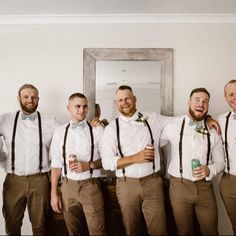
pixel 117 18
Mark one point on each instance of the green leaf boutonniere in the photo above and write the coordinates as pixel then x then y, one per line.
pixel 141 118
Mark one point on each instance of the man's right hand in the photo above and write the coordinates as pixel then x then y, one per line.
pixel 145 155
pixel 56 203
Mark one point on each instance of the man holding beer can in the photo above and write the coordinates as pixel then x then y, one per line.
pixel 196 157
pixel 75 156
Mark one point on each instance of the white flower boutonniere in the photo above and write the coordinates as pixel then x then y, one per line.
pixel 201 130
pixel 141 118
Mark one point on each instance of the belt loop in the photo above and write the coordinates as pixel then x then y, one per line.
pixel 66 179
pixel 91 179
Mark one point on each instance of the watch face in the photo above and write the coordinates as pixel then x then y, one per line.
pixel 92 165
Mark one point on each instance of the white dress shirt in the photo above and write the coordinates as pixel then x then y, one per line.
pixel 134 136
pixel 27 143
pixel 194 146
pixel 231 139
pixel 78 143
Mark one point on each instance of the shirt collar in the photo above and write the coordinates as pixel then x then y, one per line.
pixel 129 118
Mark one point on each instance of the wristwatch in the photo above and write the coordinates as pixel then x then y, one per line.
pixel 91 165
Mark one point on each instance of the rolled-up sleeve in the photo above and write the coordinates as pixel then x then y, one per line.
pixel 218 163
pixel 108 149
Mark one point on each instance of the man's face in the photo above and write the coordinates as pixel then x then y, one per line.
pixel 198 105
pixel 230 95
pixel 28 100
pixel 126 102
pixel 78 108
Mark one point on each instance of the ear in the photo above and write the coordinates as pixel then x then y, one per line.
pixel 18 98
pixel 68 108
pixel 135 99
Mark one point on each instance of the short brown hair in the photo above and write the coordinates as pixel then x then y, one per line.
pixel 77 95
pixel 197 90
pixel 25 86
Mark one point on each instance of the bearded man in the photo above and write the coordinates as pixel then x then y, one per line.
pixel 27 135
pixel 196 157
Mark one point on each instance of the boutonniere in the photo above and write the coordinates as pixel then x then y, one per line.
pixel 201 130
pixel 141 118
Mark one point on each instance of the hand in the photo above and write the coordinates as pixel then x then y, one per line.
pixel 56 203
pixel 145 155
pixel 95 122
pixel 79 166
pixel 201 172
pixel 213 124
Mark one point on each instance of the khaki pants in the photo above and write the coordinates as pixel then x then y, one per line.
pixel 142 196
pixel 21 191
pixel 188 196
pixel 228 194
pixel 83 197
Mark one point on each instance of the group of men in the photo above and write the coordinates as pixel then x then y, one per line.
pixel 75 153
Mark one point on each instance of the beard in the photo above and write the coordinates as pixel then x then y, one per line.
pixel 197 118
pixel 30 109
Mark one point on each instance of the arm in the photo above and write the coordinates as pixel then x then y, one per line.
pixel 212 123
pixel 56 202
pixel 145 155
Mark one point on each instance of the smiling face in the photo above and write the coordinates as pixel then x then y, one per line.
pixel 28 99
pixel 198 105
pixel 230 95
pixel 78 108
pixel 126 102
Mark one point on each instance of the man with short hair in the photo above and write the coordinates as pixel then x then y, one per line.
pixel 75 156
pixel 196 156
pixel 130 147
pixel 27 135
pixel 228 126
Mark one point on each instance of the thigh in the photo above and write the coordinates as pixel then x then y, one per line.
pixel 181 198
pixel 153 206
pixel 38 201
pixel 228 194
pixel 14 202
pixel 128 195
pixel 91 199
pixel 206 209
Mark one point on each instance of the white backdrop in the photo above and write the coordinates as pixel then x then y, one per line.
pixel 51 57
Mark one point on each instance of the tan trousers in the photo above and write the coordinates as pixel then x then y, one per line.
pixel 83 197
pixel 228 194
pixel 188 196
pixel 21 191
pixel 142 196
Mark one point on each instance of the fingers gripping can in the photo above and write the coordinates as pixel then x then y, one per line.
pixel 195 163
pixel 72 159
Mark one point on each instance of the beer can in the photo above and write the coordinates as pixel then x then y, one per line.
pixel 195 163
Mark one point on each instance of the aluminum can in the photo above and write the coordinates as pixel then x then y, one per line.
pixel 195 163
pixel 72 159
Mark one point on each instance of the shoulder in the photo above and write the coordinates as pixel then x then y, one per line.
pixel 222 116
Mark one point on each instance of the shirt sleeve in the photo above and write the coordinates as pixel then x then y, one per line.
pixel 108 149
pixel 218 163
pixel 55 151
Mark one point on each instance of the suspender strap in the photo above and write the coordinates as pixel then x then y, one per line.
pixel 40 143
pixel 64 149
pixel 226 141
pixel 181 144
pixel 118 142
pixel 152 140
pixel 13 143
pixel 208 143
pixel 92 147
pixel 180 150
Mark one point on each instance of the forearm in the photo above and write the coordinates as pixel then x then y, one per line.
pixel 55 175
pixel 125 161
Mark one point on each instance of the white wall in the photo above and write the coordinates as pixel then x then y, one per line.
pixel 51 57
